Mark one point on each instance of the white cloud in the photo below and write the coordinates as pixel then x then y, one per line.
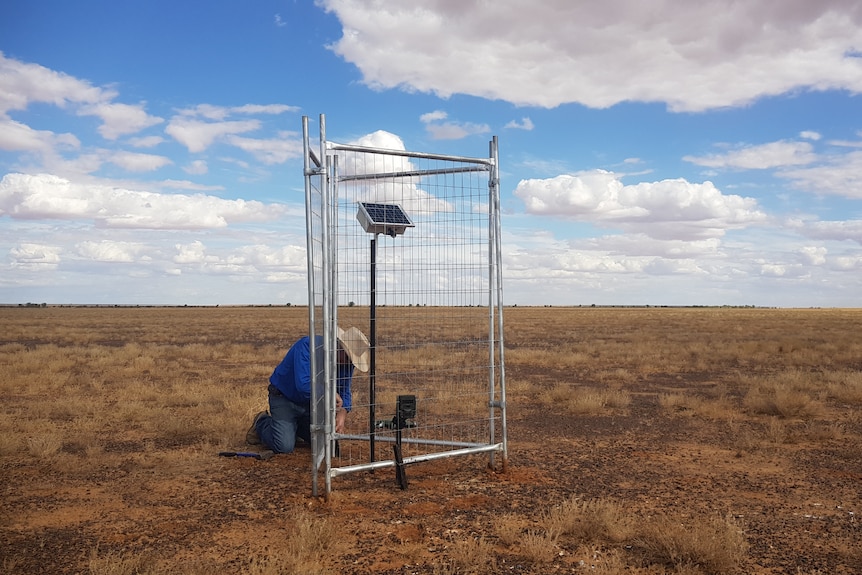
pixel 405 190
pixel 691 55
pixel 456 130
pixel 196 168
pixel 146 141
pixel 434 116
pixel 274 109
pixel 668 209
pixel 837 176
pixel 35 256
pixel 846 230
pixel 810 135
pixel 525 124
pixel 771 155
pixel 110 251
pixel 15 136
pixel 440 130
pixel 135 162
pixel 271 151
pixel 29 197
pixel 22 84
pixel 120 119
pixel 197 136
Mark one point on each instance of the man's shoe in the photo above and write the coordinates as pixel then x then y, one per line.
pixel 251 436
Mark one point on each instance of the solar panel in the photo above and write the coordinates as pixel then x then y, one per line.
pixel 379 218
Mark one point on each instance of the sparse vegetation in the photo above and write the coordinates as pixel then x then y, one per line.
pixel 643 441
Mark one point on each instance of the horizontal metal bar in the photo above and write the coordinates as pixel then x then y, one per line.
pixel 413 173
pixel 405 153
pixel 411 440
pixel 336 471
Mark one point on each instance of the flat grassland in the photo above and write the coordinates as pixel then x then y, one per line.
pixel 641 441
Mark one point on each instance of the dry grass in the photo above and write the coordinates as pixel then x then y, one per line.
pixel 714 544
pixel 578 400
pixel 792 394
pixel 702 544
pixel 136 392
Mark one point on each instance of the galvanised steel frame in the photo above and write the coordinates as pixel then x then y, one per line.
pixel 322 181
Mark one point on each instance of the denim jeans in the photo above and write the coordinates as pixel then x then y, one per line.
pixel 286 422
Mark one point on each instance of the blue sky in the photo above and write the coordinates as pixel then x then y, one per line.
pixel 661 153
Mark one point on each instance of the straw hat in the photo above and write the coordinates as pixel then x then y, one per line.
pixel 355 344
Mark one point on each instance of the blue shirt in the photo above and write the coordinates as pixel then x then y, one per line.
pixel 292 377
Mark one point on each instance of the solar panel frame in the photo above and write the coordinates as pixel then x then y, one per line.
pixel 380 218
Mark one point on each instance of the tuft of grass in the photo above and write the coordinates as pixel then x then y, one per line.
pixel 788 395
pixel 715 544
pixel 578 400
pixel 594 520
pixel 115 563
pixel 539 546
pixel 45 444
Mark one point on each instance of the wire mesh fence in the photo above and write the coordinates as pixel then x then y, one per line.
pixel 405 247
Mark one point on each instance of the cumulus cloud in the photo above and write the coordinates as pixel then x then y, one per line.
pixel 406 190
pixel 837 175
pixel 245 259
pixel 15 136
pixel 197 135
pixel 440 130
pixel 22 84
pixel 844 230
pixel 197 168
pixel 120 119
pixel 668 209
pixel 765 156
pixel 199 127
pixel 43 196
pixel 135 162
pixel 691 55
pixel 110 251
pixel 524 124
pixel 146 141
pixel 270 151
pixel 35 256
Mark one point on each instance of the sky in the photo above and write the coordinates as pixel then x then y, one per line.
pixel 651 153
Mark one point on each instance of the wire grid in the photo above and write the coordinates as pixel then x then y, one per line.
pixel 425 297
pixel 432 303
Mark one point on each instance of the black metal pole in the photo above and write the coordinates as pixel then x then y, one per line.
pixel 372 368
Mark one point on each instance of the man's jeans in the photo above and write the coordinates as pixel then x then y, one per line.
pixel 287 421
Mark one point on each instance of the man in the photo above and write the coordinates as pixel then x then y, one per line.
pixel 289 414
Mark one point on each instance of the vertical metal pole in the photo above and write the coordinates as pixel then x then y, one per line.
pixel 498 260
pixel 492 284
pixel 309 243
pixel 372 368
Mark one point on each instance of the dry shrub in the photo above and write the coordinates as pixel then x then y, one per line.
pixel 594 520
pixel 472 556
pixel 9 443
pixel 715 544
pixel 845 387
pixel 719 408
pixel 508 529
pixel 45 443
pixel 312 541
pixel 585 401
pixel 116 563
pixel 776 431
pixel 787 395
pixel 538 546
